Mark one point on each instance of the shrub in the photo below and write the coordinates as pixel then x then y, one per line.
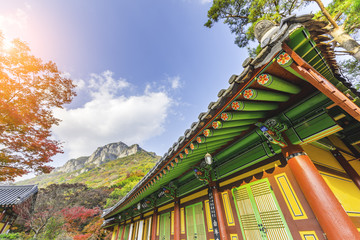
pixel 10 236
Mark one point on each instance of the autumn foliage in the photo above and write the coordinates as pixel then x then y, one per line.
pixel 29 90
pixel 65 211
pixel 78 217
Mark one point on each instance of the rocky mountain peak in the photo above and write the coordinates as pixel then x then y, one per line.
pixel 112 151
pixel 101 155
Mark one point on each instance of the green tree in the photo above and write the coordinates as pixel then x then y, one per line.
pixel 351 69
pixel 10 236
pixel 242 15
pixel 29 91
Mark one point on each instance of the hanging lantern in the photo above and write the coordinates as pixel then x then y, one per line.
pixel 208 159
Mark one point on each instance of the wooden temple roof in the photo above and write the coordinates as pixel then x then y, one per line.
pixel 15 195
pixel 231 130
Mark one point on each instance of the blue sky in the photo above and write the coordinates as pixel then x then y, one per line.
pixel 144 69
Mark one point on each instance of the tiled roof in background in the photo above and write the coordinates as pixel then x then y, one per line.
pixel 13 195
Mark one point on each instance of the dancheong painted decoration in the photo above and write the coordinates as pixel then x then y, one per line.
pixel 275 157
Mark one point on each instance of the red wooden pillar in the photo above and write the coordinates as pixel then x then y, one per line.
pixel 154 223
pixel 219 212
pixel 327 209
pixel 176 219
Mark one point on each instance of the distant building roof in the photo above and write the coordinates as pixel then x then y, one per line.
pixel 14 195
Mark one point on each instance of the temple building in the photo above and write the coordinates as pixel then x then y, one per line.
pixel 275 157
pixel 14 200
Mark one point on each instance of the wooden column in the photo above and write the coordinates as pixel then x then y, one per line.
pixel 219 212
pixel 154 223
pixel 327 209
pixel 176 219
pixel 347 167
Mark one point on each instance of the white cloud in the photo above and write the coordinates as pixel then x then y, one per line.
pixel 175 82
pixel 105 85
pixel 111 117
pixel 80 84
pixel 205 1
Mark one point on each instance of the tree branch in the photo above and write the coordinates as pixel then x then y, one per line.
pixel 236 16
pixel 3 166
pixel 291 7
pixel 338 15
pixel 326 13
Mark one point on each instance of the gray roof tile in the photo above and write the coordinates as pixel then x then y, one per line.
pixel 13 195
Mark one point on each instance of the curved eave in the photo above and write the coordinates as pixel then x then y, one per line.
pixel 181 158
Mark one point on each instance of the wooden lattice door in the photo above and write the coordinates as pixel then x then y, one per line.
pixel 195 224
pixel 259 213
pixel 121 229
pixel 126 233
pixel 164 226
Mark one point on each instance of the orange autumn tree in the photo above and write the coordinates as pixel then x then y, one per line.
pixel 29 90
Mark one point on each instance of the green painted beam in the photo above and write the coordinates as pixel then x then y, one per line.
pixel 229 116
pixel 318 125
pixel 200 153
pixel 316 101
pixel 238 146
pixel 203 139
pixel 230 124
pixel 253 106
pixel 263 95
pixel 278 84
pixel 242 160
pixel 195 146
pixel 218 132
